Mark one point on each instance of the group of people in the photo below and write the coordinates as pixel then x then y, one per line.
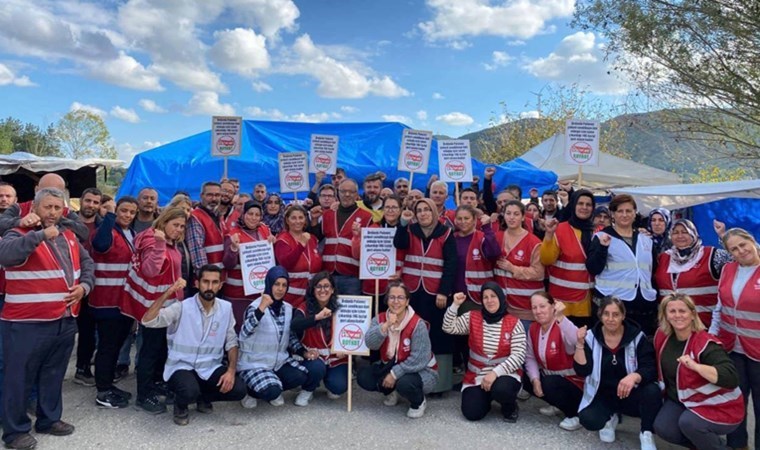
pixel 593 309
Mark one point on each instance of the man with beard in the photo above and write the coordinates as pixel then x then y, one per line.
pixel 401 188
pixel 200 330
pixel 260 193
pixel 7 196
pixel 226 212
pixel 48 273
pixel 371 201
pixel 204 235
pixel 147 209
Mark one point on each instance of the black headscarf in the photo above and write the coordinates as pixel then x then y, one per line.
pixel 248 205
pixel 585 225
pixel 495 317
pixel 272 275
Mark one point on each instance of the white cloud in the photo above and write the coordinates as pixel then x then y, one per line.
pixel 151 106
pixel 422 114
pixel 276 114
pixel 438 96
pixel 453 19
pixel 241 51
pixel 7 77
pixel 396 118
pixel 498 59
pixel 128 151
pixel 260 86
pixel 127 115
pixel 272 114
pixel 530 114
pixel 456 119
pixel 349 109
pixel 338 79
pixel 578 58
pixel 314 118
pixel 207 104
pixel 127 72
pixel 76 106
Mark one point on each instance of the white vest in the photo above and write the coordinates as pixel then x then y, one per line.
pixel 190 348
pixel 265 348
pixel 626 271
pixel 592 381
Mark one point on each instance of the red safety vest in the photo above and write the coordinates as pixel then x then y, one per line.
pixel 36 289
pixel 424 266
pixel 230 223
pixel 738 317
pixel 710 402
pixel 447 218
pixel 314 338
pixel 111 270
pixel 697 282
pixel 569 280
pixel 555 361
pixel 213 242
pixel 478 358
pixel 404 348
pixel 308 264
pixel 478 270
pixel 337 254
pixel 233 285
pixel 519 291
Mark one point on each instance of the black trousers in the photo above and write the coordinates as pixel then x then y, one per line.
pixel 86 339
pixel 36 353
pixel 476 402
pixel 408 386
pixel 151 360
pixel 188 388
pixel 112 333
pixel 558 392
pixel 644 401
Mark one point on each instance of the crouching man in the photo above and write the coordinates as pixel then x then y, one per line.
pixel 199 330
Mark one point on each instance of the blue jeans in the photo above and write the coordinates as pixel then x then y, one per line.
pixel 749 382
pixel 347 285
pixel 335 378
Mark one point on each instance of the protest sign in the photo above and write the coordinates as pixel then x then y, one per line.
pixel 582 143
pixel 454 160
pixel 294 174
pixel 323 156
pixel 256 258
pixel 415 151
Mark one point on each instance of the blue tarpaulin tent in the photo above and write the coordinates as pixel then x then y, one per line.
pixel 363 148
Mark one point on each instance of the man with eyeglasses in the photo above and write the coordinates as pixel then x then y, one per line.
pixel 226 212
pixel 205 237
pixel 337 230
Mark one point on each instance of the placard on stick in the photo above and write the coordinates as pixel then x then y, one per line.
pixel 350 324
pixel 294 173
pixel 455 160
pixel 256 258
pixel 415 151
pixel 378 255
pixel 582 143
pixel 225 135
pixel 323 155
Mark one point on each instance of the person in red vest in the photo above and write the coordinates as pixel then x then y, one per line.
pixel 549 361
pixel 204 231
pixel 702 396
pixel 336 229
pixel 690 268
pixel 407 365
pixel 497 353
pixel 519 270
pixel 48 272
pixel 296 250
pixel 155 266
pixel 312 321
pixel 563 253
pixel 7 198
pixel 735 321
pixel 250 228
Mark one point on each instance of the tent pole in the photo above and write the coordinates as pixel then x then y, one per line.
pixel 225 168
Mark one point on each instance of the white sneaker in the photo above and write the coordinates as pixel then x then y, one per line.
pixel 248 402
pixel 549 411
pixel 607 434
pixel 571 423
pixel 413 413
pixel 332 396
pixel 391 399
pixel 647 441
pixel 303 398
pixel 279 401
pixel 523 394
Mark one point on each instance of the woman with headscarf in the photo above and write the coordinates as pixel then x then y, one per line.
pixel 658 225
pixel 274 213
pixel 249 229
pixel 497 352
pixel 563 252
pixel 265 365
pixel 690 268
pixel 429 267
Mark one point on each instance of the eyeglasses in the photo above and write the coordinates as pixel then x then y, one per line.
pixel 327 195
pixel 398 298
pixel 391 208
pixel 322 287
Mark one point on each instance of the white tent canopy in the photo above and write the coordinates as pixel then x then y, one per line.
pixel 611 171
pixel 684 195
pixel 21 160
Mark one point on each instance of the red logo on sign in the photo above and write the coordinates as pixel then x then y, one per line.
pixel 293 180
pixel 581 152
pixel 225 144
pixel 351 337
pixel 257 276
pixel 413 160
pixel 378 264
pixel 455 169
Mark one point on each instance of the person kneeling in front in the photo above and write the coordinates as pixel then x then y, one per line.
pixel 407 365
pixel 200 330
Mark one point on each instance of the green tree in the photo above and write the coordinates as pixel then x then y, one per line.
pixel 83 134
pixel 699 59
pixel 17 136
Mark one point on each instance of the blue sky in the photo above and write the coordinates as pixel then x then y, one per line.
pixel 158 70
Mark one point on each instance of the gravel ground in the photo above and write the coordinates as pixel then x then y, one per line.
pixel 323 424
